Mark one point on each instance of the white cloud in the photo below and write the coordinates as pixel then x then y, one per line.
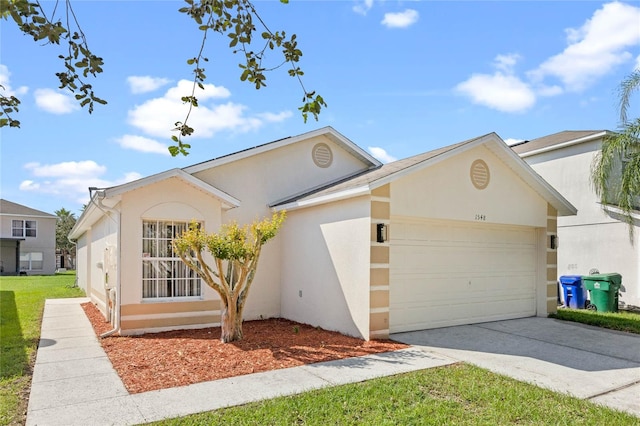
pixel 55 101
pixel 595 48
pixel 637 67
pixel 71 179
pixel 5 77
pixel 275 118
pixel 144 84
pixel 543 90
pixel 184 88
pixel 86 168
pixel 506 63
pixel 362 7
pixel 400 19
pixel 381 154
pixel 156 117
pixel 501 90
pixel 142 144
pixel 29 185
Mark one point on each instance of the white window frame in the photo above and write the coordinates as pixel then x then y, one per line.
pixel 164 276
pixel 23 229
pixel 30 261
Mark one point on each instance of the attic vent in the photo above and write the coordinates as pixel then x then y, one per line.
pixel 322 155
pixel 479 174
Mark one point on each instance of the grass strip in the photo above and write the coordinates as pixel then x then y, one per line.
pixel 621 321
pixel 458 394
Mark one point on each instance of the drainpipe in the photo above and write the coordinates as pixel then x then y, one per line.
pixel 75 246
pixel 97 201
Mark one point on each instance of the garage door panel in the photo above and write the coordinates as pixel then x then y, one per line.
pixel 434 290
pixel 449 274
pixel 469 312
pixel 411 259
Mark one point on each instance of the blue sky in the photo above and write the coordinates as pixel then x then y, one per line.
pixel 399 77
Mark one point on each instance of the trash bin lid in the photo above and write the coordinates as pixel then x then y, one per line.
pixel 613 277
pixel 571 279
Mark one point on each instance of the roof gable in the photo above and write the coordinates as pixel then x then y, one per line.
pixel 109 197
pixel 366 182
pixel 227 200
pixel 328 132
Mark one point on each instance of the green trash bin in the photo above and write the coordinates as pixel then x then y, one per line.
pixel 603 289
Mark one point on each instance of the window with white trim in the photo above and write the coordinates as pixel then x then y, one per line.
pixel 164 275
pixel 31 261
pixel 23 228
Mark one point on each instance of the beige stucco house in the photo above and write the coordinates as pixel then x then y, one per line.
pixel 458 235
pixel 27 240
pixel 597 237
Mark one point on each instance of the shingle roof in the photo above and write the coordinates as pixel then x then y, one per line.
pixel 554 139
pixel 8 207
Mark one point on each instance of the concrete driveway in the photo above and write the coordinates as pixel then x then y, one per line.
pixel 587 362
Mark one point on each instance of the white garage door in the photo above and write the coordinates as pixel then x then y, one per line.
pixel 445 273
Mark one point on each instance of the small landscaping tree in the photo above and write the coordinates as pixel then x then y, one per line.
pixel 236 251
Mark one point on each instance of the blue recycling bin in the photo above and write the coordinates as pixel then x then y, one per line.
pixel 575 294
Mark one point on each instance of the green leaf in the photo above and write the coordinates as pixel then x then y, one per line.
pixel 174 150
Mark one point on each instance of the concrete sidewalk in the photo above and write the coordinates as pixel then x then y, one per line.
pixel 74 382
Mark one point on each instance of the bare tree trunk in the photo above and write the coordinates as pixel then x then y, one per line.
pixel 231 323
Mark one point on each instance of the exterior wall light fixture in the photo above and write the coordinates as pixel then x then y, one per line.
pixel 554 242
pixel 381 232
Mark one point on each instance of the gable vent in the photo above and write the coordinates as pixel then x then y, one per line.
pixel 322 155
pixel 479 174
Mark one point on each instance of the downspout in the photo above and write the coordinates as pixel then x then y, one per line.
pixel 97 201
pixel 75 250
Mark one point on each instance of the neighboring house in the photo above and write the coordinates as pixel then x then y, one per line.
pixel 27 240
pixel 457 235
pixel 596 238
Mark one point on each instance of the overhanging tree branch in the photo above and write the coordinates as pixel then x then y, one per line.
pixel 233 19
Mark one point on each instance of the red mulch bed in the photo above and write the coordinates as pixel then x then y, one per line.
pixel 176 358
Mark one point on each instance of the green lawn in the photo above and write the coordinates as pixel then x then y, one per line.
pixel 453 395
pixel 21 304
pixel 621 321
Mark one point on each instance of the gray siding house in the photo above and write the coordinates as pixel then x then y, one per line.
pixel 27 240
